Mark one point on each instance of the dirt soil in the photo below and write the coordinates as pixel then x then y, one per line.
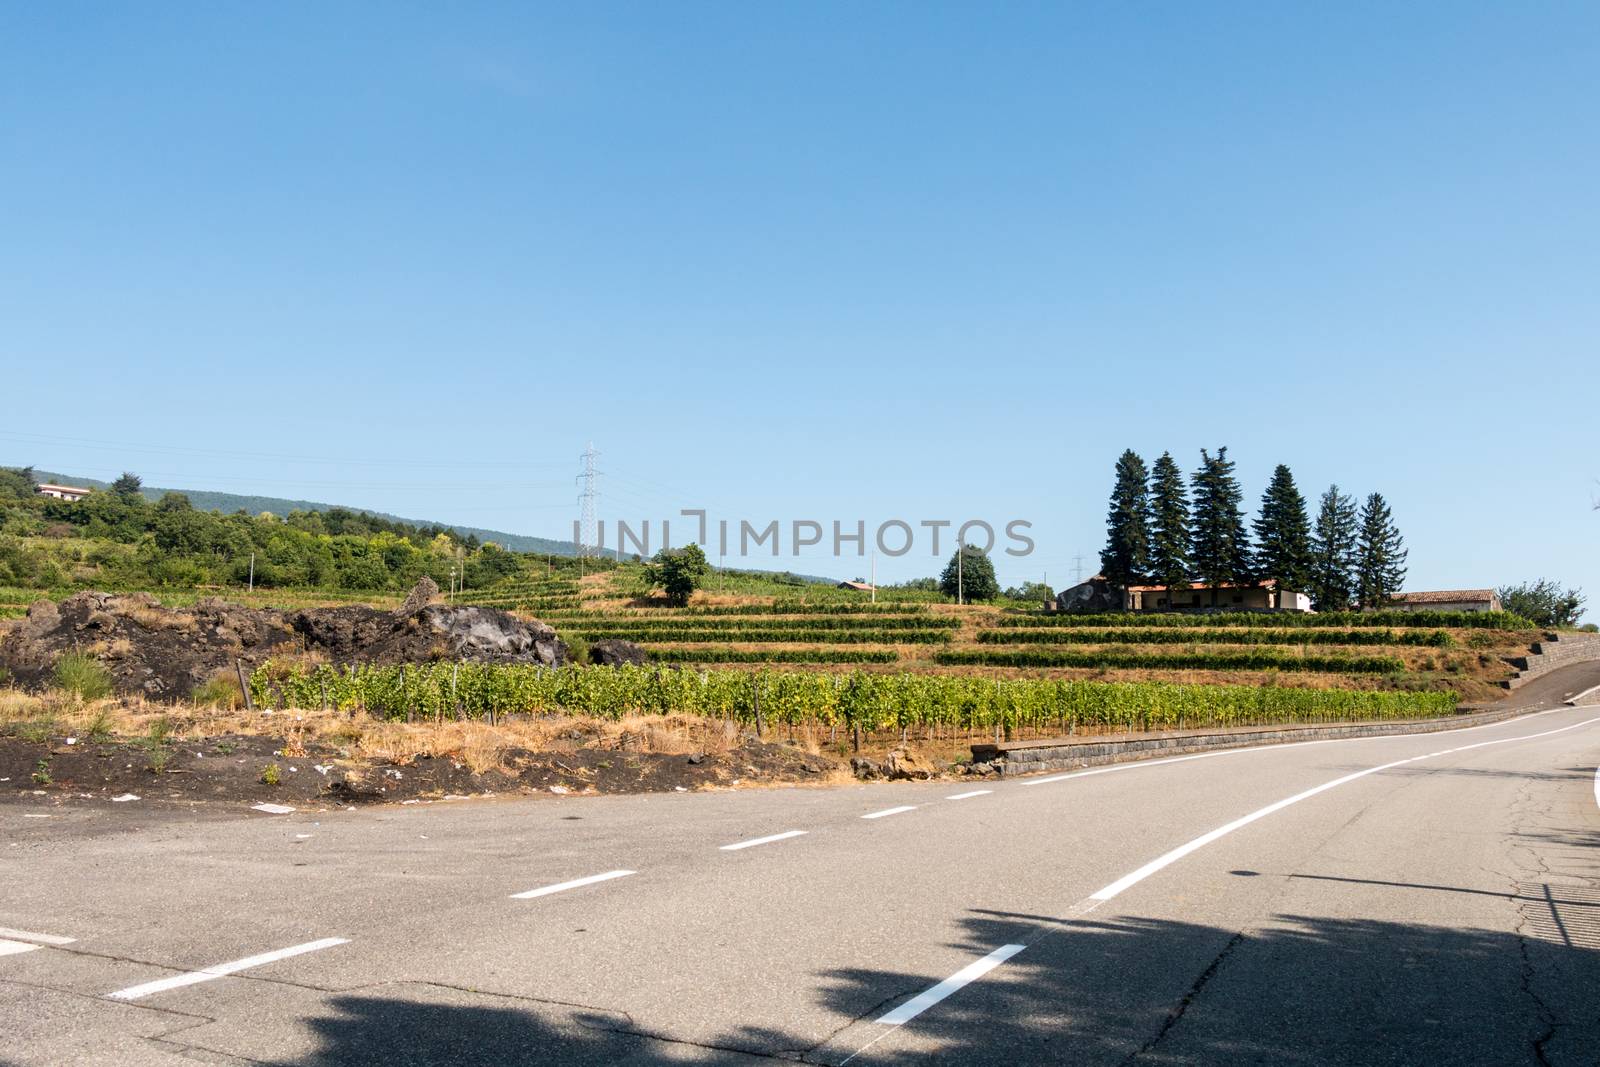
pixel 166 653
pixel 232 768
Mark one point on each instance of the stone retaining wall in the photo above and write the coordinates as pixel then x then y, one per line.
pixel 1031 757
pixel 1553 651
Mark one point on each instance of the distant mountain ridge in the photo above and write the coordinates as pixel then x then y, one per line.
pixel 227 503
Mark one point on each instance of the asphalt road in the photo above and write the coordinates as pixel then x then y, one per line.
pixel 1423 899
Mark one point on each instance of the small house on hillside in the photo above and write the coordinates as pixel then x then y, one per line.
pixel 1264 596
pixel 64 492
pixel 1447 600
pixel 858 586
pixel 1098 595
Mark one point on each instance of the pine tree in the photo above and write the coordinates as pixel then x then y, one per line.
pixel 1169 527
pixel 1219 548
pixel 969 575
pixel 1127 553
pixel 1283 534
pixel 128 486
pixel 1333 552
pixel 1381 555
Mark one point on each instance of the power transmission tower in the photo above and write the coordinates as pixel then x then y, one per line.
pixel 588 521
pixel 1077 569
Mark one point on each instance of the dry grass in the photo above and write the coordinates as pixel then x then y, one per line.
pixel 358 736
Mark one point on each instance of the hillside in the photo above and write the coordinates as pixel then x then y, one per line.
pixel 227 503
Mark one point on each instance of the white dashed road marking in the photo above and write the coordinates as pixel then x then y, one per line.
pixel 43 939
pixel 221 970
pixel 969 796
pixel 762 840
pixel 574 884
pixel 890 811
pixel 11 948
pixel 966 975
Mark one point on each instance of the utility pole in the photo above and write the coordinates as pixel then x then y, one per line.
pixel 588 523
pixel 252 572
pixel 872 578
pixel 961 557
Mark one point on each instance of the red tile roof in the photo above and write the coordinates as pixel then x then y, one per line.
pixel 1444 596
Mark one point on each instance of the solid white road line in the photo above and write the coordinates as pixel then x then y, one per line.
pixel 969 796
pixel 12 948
pixel 762 840
pixel 1135 765
pixel 922 1002
pixel 574 884
pixel 965 976
pixel 1134 878
pixel 1597 786
pixel 890 811
pixel 220 970
pixel 43 939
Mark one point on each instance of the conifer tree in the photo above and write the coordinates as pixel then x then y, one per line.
pixel 1283 534
pixel 1381 555
pixel 1333 552
pixel 1219 546
pixel 1169 527
pixel 1126 556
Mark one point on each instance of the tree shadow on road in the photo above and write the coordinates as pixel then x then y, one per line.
pixel 1298 990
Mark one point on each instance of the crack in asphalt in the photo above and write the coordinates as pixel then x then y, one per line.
pixel 859 1016
pixel 1526 970
pixel 1188 998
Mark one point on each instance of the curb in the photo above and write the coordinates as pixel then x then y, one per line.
pixel 1573 700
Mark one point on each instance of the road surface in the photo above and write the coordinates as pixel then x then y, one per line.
pixel 1424 899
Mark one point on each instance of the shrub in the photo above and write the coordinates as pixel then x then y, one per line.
pixel 83 676
pixel 578 647
pixel 222 691
pixel 99 726
pixel 36 732
pixel 271 774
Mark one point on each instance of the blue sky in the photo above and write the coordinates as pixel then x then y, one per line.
pixel 815 260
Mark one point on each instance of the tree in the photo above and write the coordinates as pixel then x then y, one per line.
pixel 1333 552
pixel 18 484
pixel 1169 527
pixel 1283 534
pixel 1034 591
pixel 1544 602
pixel 1127 553
pixel 677 572
pixel 1219 546
pixel 1380 555
pixel 976 575
pixel 171 502
pixel 128 486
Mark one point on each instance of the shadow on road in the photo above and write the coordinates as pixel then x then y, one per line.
pixel 1300 990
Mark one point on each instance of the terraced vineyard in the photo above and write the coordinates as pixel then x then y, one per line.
pixel 1359 651
pixel 778 629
